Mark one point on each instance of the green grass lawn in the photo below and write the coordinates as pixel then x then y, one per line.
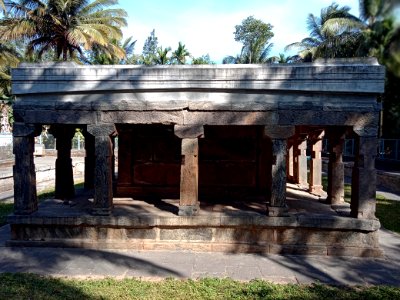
pixel 387 211
pixel 29 286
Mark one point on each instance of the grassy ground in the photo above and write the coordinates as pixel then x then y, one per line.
pixel 29 286
pixel 387 211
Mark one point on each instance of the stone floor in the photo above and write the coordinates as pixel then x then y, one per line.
pixel 298 200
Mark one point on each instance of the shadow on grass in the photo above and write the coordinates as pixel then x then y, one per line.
pixel 29 286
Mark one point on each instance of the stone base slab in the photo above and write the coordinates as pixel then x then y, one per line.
pixel 292 235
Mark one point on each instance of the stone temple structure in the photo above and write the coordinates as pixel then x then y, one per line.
pixel 205 154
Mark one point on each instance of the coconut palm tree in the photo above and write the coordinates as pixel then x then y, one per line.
pixel 112 53
pixel 336 33
pixel 8 59
pixel 68 27
pixel 161 57
pixel 180 54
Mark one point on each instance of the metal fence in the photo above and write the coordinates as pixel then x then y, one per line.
pixel 388 149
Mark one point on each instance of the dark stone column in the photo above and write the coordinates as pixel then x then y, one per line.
pixel 300 153
pixel 335 167
pixel 103 183
pixel 189 185
pixel 363 188
pixel 278 135
pixel 64 174
pixel 25 197
pixel 89 161
pixel 316 163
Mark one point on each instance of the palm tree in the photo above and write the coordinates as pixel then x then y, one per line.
pixel 8 59
pixel 180 54
pixel 334 34
pixel 67 27
pixel 116 52
pixel 162 56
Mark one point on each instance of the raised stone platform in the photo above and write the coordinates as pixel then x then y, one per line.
pixel 310 227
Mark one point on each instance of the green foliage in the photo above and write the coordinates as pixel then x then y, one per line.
pixel 64 27
pixel 388 213
pixel 162 57
pixel 30 286
pixel 180 55
pixel 99 56
pixel 6 208
pixel 202 60
pixel 255 35
pixel 149 52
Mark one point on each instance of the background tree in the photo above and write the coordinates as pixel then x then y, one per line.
pixel 112 56
pixel 162 57
pixel 202 60
pixel 149 52
pixel 255 35
pixel 375 33
pixel 180 55
pixel 332 35
pixel 63 26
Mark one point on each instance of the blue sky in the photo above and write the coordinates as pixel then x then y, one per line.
pixel 207 26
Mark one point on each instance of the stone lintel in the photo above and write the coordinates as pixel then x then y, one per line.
pixel 279 131
pixel 189 131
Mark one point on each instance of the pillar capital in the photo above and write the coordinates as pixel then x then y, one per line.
pixel 189 131
pixel 366 131
pixel 101 129
pixel 26 130
pixel 279 131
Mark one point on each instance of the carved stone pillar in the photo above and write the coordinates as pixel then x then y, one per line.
pixel 300 153
pixel 316 163
pixel 64 180
pixel 363 188
pixel 103 182
pixel 89 160
pixel 189 185
pixel 335 167
pixel 25 197
pixel 290 161
pixel 278 135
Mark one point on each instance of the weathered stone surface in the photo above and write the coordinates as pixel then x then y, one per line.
pixel 189 194
pixel 189 234
pixel 331 76
pixel 363 190
pixel 194 131
pixel 279 132
pixel 278 184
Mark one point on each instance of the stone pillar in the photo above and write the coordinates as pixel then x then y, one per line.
pixel 290 161
pixel 189 185
pixel 363 188
pixel 103 183
pixel 25 197
pixel 315 186
pixel 335 167
pixel 64 180
pixel 300 153
pixel 278 135
pixel 89 161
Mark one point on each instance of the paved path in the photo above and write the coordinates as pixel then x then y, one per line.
pixel 184 264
